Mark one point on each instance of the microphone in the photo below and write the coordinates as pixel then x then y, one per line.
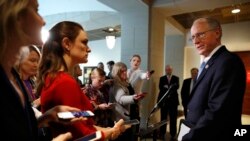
pixel 167 94
pixel 173 85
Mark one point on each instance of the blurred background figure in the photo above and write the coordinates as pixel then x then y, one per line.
pixel 27 67
pixel 108 81
pixel 102 108
pixel 187 87
pixel 135 74
pixel 110 65
pixel 169 105
pixel 77 71
pixel 101 66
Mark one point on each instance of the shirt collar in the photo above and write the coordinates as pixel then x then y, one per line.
pixel 205 59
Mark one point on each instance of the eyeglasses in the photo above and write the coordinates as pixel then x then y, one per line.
pixel 201 35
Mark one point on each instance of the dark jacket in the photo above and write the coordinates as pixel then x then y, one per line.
pixel 17 123
pixel 185 91
pixel 215 107
pixel 164 85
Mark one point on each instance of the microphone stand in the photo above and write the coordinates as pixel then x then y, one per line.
pixel 156 107
pixel 163 97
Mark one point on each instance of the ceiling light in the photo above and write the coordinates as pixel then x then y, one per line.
pixel 235 10
pixel 111 29
pixel 110 41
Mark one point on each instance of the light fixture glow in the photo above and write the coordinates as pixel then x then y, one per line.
pixel 111 29
pixel 110 41
pixel 235 11
pixel 45 34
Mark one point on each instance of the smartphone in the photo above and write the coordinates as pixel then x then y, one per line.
pixel 111 104
pixel 131 122
pixel 151 72
pixel 70 115
pixel 91 137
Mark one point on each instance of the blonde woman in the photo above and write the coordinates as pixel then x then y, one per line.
pixel 136 76
pixel 27 67
pixel 119 94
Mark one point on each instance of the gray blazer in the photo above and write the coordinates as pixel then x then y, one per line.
pixel 119 95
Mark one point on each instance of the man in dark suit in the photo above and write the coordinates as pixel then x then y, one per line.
pixel 215 107
pixel 170 103
pixel 110 65
pixel 186 89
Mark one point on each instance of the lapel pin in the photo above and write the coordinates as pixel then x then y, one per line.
pixel 206 66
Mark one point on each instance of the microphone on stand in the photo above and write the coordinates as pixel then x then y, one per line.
pixel 167 94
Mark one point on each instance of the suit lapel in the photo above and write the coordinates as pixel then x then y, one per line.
pixel 208 65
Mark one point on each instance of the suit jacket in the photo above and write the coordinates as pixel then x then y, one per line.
pixel 164 85
pixel 185 91
pixel 215 107
pixel 17 123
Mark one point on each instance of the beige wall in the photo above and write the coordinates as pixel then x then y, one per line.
pixel 236 36
pixel 191 59
pixel 156 53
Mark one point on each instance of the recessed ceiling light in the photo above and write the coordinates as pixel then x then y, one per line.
pixel 236 10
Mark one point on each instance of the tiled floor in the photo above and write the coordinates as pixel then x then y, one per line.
pixel 245 121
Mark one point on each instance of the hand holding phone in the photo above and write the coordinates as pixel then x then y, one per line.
pixel 131 122
pixel 110 105
pixel 91 137
pixel 151 72
pixel 70 115
pixel 140 96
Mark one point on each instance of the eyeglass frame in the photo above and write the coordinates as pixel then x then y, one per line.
pixel 201 35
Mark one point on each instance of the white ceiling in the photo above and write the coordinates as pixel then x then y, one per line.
pixel 50 7
pixel 96 14
pixel 175 7
pixel 90 13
